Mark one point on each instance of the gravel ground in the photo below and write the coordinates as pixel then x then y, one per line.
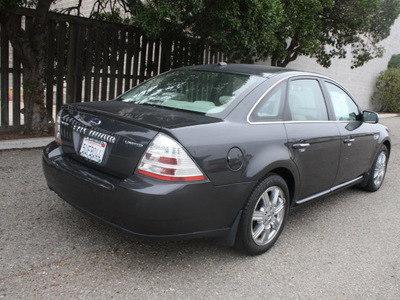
pixel 345 246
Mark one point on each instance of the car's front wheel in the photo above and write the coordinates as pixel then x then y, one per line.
pixel 263 216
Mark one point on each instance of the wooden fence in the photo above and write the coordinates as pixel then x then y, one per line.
pixel 90 60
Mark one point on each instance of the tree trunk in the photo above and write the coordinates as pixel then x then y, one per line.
pixel 35 116
pixel 292 52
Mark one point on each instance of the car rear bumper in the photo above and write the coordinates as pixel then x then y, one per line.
pixel 145 206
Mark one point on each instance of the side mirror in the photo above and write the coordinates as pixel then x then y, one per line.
pixel 370 116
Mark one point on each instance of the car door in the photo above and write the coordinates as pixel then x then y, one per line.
pixel 314 140
pixel 357 138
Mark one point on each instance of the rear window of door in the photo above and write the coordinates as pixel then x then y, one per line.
pixel 306 101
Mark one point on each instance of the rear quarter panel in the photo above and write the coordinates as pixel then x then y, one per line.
pixel 263 147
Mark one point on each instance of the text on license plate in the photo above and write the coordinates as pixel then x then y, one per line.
pixel 93 149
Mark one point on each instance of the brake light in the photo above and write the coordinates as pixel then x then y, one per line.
pixel 167 160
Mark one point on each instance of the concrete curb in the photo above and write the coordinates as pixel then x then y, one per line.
pixel 383 116
pixel 25 143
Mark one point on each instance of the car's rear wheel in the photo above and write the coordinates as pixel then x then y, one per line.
pixel 263 216
pixel 378 170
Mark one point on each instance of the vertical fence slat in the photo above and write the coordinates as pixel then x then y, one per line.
pixel 136 60
pixel 104 74
pixel 16 79
pixel 78 66
pixel 113 64
pixel 71 62
pixel 16 90
pixel 121 61
pixel 174 54
pixel 185 61
pixel 96 76
pixel 62 30
pixel 149 63
pixel 143 48
pixel 156 58
pixel 4 78
pixel 88 63
pixel 165 62
pixel 128 66
pixel 50 68
pixel 220 57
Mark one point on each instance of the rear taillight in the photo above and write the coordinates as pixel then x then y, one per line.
pixel 57 129
pixel 167 160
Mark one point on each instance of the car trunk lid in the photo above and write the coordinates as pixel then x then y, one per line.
pixel 112 136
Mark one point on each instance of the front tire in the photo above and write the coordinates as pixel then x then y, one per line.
pixel 378 170
pixel 264 216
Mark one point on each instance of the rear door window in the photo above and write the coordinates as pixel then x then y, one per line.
pixel 306 101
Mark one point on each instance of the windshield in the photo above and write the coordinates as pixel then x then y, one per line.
pixel 198 91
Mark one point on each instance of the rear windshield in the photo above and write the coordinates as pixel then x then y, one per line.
pixel 198 91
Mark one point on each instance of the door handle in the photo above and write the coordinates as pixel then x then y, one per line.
pixel 348 140
pixel 300 146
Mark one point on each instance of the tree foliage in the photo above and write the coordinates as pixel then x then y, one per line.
pixel 278 30
pixel 394 61
pixel 241 29
pixel 387 94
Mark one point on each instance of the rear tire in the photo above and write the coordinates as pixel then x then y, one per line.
pixel 378 170
pixel 264 216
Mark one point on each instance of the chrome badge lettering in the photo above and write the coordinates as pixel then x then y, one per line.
pixel 131 143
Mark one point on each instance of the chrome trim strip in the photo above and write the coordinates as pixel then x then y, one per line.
pixel 328 191
pixel 95 134
pixel 313 197
pixel 346 183
pixel 322 121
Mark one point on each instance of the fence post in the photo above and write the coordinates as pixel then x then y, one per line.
pixel 50 68
pixel 4 77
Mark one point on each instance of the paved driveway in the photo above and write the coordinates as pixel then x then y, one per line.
pixel 345 246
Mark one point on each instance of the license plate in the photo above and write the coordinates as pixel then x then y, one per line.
pixel 93 149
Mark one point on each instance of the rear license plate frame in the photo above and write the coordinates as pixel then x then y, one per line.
pixel 93 149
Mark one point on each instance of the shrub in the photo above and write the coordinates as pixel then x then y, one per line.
pixel 394 61
pixel 387 93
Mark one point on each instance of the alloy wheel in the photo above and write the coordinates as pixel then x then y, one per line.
pixel 268 215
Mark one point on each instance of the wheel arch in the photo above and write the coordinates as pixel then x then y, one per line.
pixel 289 178
pixel 388 146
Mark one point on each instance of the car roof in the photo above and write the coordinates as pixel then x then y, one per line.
pixel 248 69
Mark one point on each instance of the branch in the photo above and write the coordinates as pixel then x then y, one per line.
pixel 292 52
pixel 68 10
pixel 100 6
